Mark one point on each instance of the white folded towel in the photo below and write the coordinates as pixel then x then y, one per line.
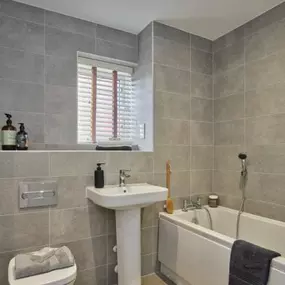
pixel 42 261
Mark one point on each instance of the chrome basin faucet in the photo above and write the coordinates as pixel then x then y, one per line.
pixel 123 176
pixel 193 205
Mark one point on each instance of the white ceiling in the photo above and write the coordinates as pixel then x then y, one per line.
pixel 207 18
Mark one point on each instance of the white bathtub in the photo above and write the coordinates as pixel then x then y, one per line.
pixel 193 254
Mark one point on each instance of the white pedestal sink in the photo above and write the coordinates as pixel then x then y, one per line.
pixel 128 201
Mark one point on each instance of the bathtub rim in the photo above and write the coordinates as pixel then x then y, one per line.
pixel 277 263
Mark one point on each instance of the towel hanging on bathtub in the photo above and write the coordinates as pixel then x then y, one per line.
pixel 250 264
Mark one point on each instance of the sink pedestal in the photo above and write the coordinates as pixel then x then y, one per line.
pixel 128 228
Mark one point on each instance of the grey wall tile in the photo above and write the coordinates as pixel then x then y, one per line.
pixel 267 71
pixel 201 133
pixel 202 157
pixel 19 65
pixel 226 158
pixel 229 132
pixel 18 34
pixel 229 82
pixel 88 276
pixel 148 264
pixel 201 61
pixel 201 181
pixel 171 80
pixel 169 105
pixel 141 162
pixel 265 130
pixel 178 136
pixel 180 184
pixel 21 96
pixel 146 33
pixel 117 161
pixel 201 43
pixel 230 201
pixel 229 57
pixel 117 36
pixel 267 159
pixel 78 223
pixel 23 230
pixel 201 85
pixel 61 71
pixel 70 24
pixel 265 101
pixel 75 163
pixel 229 39
pixel 229 108
pixel 201 109
pixel 145 52
pixel 171 53
pixel 117 51
pixel 22 11
pixel 146 241
pixel 167 32
pixel 62 43
pixel 111 255
pixel 227 182
pixel 8 196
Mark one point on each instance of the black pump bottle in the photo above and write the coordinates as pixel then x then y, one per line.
pixel 99 176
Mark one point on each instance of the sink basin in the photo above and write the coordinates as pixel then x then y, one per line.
pixel 127 201
pixel 130 196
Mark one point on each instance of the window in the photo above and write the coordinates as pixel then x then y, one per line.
pixel 106 102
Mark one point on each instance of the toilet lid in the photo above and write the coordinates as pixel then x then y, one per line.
pixel 56 277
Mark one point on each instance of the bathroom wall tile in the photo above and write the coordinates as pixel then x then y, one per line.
pixel 229 82
pixel 201 109
pixel 66 44
pixel 226 182
pixel 154 239
pixel 259 184
pixel 89 276
pixel 116 36
pixel 146 33
pixel 116 51
pixel 147 216
pixel 22 11
pixel 273 15
pixel 19 65
pixel 229 108
pixel 180 184
pixel 265 130
pixel 23 230
pixel 21 96
pixel 171 80
pixel 267 158
pixel 170 53
pixel 226 158
pixel 61 71
pixel 179 157
pixel 229 57
pixel 201 182
pixel 201 133
pixel 148 264
pixel 14 164
pixel 117 161
pixel 201 43
pixel 146 241
pixel 232 202
pixel 26 36
pixel 34 123
pixel 9 199
pixel 229 133
pixel 61 128
pixel 112 276
pixel 201 85
pixel 141 162
pixel 60 99
pixel 75 163
pixel 71 191
pixel 111 255
pixel 229 39
pixel 70 24
pixel 174 106
pixel 145 52
pixel 264 209
pixel 265 101
pixel 202 157
pixel 255 47
pixel 267 71
pixel 178 136
pixel 4 262
pixel 167 32
pixel 78 223
pixel 201 61
pixel 88 253
pixel 111 221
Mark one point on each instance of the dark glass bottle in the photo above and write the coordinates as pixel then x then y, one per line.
pixel 22 140
pixel 8 135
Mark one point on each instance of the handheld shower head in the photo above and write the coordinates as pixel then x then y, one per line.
pixel 243 157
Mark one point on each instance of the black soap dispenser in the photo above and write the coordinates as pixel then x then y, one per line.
pixel 99 176
pixel 22 138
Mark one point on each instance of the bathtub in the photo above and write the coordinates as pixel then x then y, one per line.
pixel 192 254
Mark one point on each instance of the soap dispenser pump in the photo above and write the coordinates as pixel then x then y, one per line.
pixel 8 134
pixel 99 176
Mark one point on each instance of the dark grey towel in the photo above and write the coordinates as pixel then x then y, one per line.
pixel 107 148
pixel 250 264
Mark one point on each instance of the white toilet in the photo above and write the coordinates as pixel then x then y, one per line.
pixel 64 276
